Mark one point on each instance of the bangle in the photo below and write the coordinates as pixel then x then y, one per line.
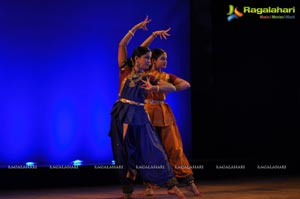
pixel 130 31
pixel 157 88
pixel 153 34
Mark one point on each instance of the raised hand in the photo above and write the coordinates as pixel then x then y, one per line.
pixel 143 24
pixel 163 34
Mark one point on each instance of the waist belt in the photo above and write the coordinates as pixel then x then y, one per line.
pixel 130 102
pixel 151 101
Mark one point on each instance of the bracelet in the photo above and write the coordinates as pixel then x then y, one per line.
pixel 157 88
pixel 130 31
pixel 154 35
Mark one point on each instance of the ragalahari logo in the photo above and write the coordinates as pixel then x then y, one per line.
pixel 233 13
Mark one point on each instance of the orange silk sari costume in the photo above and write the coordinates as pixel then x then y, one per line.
pixel 162 118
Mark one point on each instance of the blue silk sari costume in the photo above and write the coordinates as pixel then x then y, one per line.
pixel 141 149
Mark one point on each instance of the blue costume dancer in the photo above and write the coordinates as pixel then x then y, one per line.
pixel 136 146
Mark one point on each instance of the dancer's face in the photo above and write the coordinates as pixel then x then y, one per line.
pixel 161 61
pixel 144 61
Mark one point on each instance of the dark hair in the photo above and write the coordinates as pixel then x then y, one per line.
pixel 139 51
pixel 156 53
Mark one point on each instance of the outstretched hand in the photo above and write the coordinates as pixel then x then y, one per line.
pixel 143 24
pixel 162 33
pixel 147 85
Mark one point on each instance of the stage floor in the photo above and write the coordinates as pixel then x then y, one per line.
pixel 240 188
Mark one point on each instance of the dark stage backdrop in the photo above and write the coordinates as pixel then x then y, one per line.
pixel 245 77
pixel 59 74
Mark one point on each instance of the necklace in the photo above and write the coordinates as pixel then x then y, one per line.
pixel 134 78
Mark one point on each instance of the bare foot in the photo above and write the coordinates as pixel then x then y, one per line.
pixel 193 188
pixel 177 192
pixel 148 191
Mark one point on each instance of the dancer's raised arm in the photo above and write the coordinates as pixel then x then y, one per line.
pixel 122 50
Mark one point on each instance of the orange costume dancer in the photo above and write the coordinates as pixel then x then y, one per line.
pixel 162 118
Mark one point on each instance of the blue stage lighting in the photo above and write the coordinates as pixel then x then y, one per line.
pixel 77 162
pixel 113 162
pixel 30 164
